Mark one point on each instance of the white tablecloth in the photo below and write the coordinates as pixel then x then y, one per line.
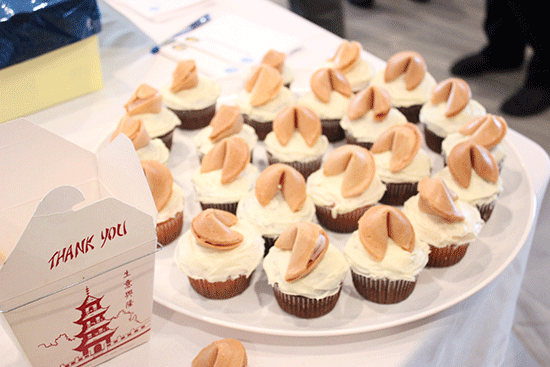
pixel 474 332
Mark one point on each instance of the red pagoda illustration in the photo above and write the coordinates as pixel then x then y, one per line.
pixel 96 334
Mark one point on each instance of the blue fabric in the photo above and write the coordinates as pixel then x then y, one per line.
pixel 28 30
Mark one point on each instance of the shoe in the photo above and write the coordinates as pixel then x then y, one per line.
pixel 479 64
pixel 529 100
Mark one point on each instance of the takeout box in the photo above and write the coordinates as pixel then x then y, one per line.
pixel 49 54
pixel 79 233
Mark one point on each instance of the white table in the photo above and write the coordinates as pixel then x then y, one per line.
pixel 474 332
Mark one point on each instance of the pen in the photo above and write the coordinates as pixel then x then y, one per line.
pixel 197 23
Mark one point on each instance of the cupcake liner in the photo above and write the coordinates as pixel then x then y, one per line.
pixel 167 138
pixel 195 119
pixel 261 128
pixel 228 207
pixel 383 291
pixel 170 229
pixel 305 168
pixel 343 223
pixel 332 130
pixel 441 257
pixel 220 290
pixel 433 141
pixel 412 113
pixel 304 307
pixel 398 192
pixel 350 139
pixel 485 210
pixel 268 243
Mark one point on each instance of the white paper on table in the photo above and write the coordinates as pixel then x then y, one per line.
pixel 157 10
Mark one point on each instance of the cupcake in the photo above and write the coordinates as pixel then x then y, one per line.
pixel 385 256
pixel 278 200
pixel 146 148
pixel 305 271
pixel 276 60
pixel 472 173
pixel 222 353
pixel 146 105
pixel 218 254
pixel 191 97
pixel 369 114
pixel 407 81
pixel 228 121
pixel 329 98
pixel 348 60
pixel 169 200
pixel 262 98
pixel 401 162
pixel 345 187
pixel 296 140
pixel 225 175
pixel 450 107
pixel 488 131
pixel 448 225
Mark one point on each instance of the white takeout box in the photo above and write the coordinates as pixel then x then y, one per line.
pixel 78 230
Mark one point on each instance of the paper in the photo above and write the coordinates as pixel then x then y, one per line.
pixel 157 10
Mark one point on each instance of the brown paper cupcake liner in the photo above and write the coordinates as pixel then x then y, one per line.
pixel 446 256
pixel 398 192
pixel 305 168
pixel 195 119
pixel 332 130
pixel 261 128
pixel 485 210
pixel 343 223
pixel 170 229
pixel 383 291
pixel 220 290
pixel 433 141
pixel 350 139
pixel 304 307
pixel 167 138
pixel 228 207
pixel 412 113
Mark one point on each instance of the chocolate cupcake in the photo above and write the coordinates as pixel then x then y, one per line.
pixel 348 60
pixel 385 256
pixel 401 162
pixel 296 140
pixel 448 225
pixel 345 188
pixel 369 114
pixel 225 175
pixel 305 271
pixel 190 96
pixel 329 98
pixel 169 200
pixel 218 254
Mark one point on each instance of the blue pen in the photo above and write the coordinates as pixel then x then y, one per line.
pixel 202 20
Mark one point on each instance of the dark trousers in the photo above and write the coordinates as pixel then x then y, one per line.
pixel 328 14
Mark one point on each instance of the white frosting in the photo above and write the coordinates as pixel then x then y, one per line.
pixel 439 233
pixel 267 111
pixel 434 117
pixel 397 264
pixel 479 192
pixel 275 217
pixel 199 262
pixel 323 281
pixel 154 151
pixel 210 190
pixel 174 206
pixel 288 74
pixel 366 129
pixel 499 151
pixel 296 148
pixel 419 168
pixel 326 191
pixel 358 76
pixel 158 124
pixel 204 95
pixel 335 109
pixel 204 144
pixel 400 96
